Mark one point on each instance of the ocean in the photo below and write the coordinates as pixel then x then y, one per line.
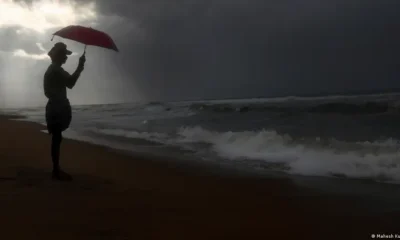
pixel 351 137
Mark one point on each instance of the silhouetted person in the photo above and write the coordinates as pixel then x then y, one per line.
pixel 58 108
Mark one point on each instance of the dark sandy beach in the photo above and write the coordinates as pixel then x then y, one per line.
pixel 117 196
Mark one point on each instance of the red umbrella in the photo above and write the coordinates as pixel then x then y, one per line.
pixel 87 36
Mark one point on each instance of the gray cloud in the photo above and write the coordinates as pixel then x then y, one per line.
pixel 11 40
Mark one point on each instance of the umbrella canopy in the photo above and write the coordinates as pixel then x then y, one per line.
pixel 87 36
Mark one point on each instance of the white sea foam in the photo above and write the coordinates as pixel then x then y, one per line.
pixel 377 160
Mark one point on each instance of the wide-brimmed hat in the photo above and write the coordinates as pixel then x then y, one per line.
pixel 59 48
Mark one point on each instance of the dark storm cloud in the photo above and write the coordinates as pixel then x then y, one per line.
pixel 197 49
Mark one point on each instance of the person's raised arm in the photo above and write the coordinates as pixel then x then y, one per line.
pixel 72 79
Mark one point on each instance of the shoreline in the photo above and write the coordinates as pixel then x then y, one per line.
pixel 143 147
pixel 224 168
pixel 119 196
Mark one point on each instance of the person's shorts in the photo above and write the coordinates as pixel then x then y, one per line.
pixel 58 115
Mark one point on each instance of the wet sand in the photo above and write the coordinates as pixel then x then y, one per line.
pixel 118 196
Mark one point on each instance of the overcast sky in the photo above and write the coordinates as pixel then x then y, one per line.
pixel 194 49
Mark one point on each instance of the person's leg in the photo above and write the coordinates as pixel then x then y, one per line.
pixel 55 155
pixel 55 150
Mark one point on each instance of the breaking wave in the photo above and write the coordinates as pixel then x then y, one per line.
pixel 377 160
